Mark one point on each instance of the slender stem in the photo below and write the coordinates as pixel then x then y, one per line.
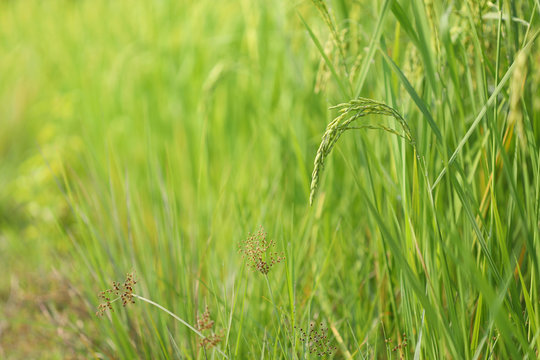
pixel 275 307
pixel 272 298
pixel 177 318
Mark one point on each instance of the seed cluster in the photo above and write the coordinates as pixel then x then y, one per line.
pixel 118 291
pixel 316 339
pixel 403 344
pixel 256 250
pixel 205 325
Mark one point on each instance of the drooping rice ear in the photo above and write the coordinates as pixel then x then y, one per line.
pixel 349 112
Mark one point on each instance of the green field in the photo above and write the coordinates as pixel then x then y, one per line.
pixel 183 142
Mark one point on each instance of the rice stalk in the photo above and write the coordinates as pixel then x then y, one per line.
pixel 323 72
pixel 515 115
pixel 348 113
pixel 334 31
pixel 432 21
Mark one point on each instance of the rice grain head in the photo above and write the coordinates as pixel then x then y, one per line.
pixel 348 113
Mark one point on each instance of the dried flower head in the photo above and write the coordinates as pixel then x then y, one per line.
pixel 256 250
pixel 316 340
pixel 205 325
pixel 119 291
pixel 400 346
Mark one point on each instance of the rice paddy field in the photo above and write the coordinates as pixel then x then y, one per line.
pixel 250 179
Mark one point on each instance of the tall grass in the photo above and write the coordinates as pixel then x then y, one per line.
pixel 165 132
